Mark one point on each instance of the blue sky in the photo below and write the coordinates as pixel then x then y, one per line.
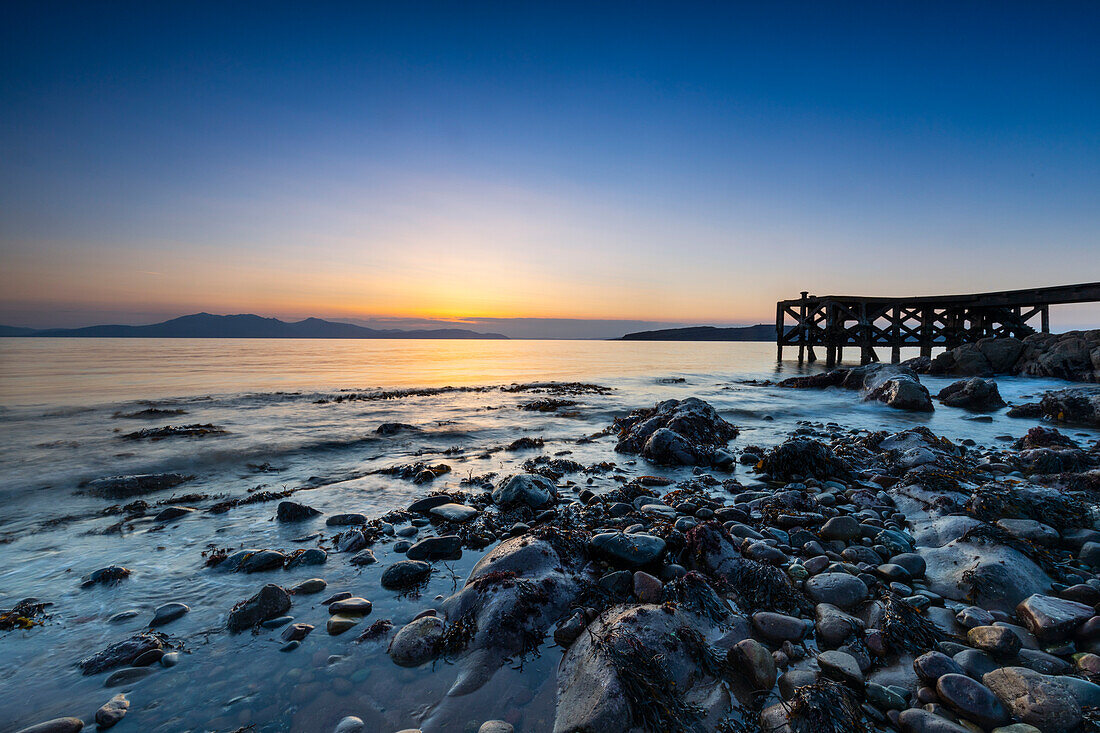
pixel 689 163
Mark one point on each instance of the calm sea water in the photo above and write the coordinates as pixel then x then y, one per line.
pixel 61 407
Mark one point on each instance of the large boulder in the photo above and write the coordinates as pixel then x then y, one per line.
pixel 903 392
pixel 637 659
pixel 973 394
pixel 675 432
pixel 1073 406
pixel 993 576
pixel 509 601
pixel 1074 355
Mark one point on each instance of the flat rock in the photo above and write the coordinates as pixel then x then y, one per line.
pixel 972 700
pixel 306 587
pixel 1036 699
pixel 634 550
pixel 448 547
pixel 126 676
pixel 1050 618
pixel 454 512
pixel 57 725
pixel 168 612
pixel 346 520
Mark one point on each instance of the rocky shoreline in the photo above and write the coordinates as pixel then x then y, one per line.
pixel 860 581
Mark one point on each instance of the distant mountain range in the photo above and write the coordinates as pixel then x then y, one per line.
pixel 206 325
pixel 761 332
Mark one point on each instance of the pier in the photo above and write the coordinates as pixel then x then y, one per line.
pixel 837 321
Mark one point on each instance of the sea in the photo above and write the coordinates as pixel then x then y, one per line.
pixel 304 414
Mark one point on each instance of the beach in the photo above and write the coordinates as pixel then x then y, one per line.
pixel 358 431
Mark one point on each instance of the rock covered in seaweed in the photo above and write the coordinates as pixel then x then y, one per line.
pixel 973 394
pixel 894 385
pixel 675 432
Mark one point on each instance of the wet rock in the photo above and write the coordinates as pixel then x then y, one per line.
pixel 112 712
pixel 632 550
pixel 405 574
pixel 930 666
pixel 754 661
pixel 126 676
pixel 1030 530
pixel 306 587
pixel 363 557
pixel 173 512
pixel 841 667
pixel 346 520
pixel 168 612
pixel 971 700
pixel 125 487
pixel 262 560
pixel 834 626
pixel 779 627
pixel 57 725
pixel 675 432
pixel 994 576
pixel 1036 699
pixel 838 589
pixel 916 720
pixel 597 678
pixel 496 726
pixel 801 457
pixel 842 528
pixel 448 547
pixel 291 511
pixel 903 393
pixel 569 629
pixel 351 541
pixel 349 606
pixel 340 623
pixel 417 642
pixel 995 640
pixel 123 652
pixel 312 556
pixel 105 576
pixel 527 489
pixel 455 512
pixel 296 632
pixel 647 588
pixel 393 428
pixel 973 394
pixel 1051 618
pixel 269 602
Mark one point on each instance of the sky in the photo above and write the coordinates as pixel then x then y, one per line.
pixel 479 162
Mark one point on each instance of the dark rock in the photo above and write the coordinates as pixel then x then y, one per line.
pixel 448 547
pixel 172 512
pixel 1050 618
pixel 754 661
pixel 527 489
pixel 168 612
pixel 112 712
pixel 303 558
pixel 634 550
pixel 903 392
pixel 417 642
pixel 105 576
pixel 972 394
pixel 405 574
pixel 127 675
pixel 393 428
pixel 1037 699
pixel 290 511
pixel 346 520
pixel 57 725
pixel 930 666
pixel 125 487
pixel 269 602
pixel 122 653
pixel 916 720
pixel 839 589
pixel 995 640
pixel 778 627
pixel 971 700
pixel 675 432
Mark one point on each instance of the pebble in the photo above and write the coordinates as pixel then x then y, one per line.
pixel 171 659
pixel 840 666
pixel 754 661
pixel 339 623
pixel 364 557
pixel 971 700
pixel 839 589
pixel 350 724
pixel 647 588
pixel 448 547
pixel 495 726
pixel 455 512
pixel 779 627
pixel 996 640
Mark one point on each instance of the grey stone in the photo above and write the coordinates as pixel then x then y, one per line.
pixel 269 602
pixel 634 550
pixel 839 589
pixel 405 573
pixel 168 612
pixel 112 712
pixel 417 642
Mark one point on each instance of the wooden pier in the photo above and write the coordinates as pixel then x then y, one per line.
pixel 837 321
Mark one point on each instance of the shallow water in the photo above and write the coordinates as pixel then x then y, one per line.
pixel 59 401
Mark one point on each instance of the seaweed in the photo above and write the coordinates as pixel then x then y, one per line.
pixel 825 707
pixel 457 635
pixel 903 627
pixel 376 630
pixel 801 458
pixel 691 592
pixel 23 615
pixel 1061 511
pixel 759 586
pixel 654 700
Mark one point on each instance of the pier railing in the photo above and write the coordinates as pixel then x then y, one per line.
pixel 837 321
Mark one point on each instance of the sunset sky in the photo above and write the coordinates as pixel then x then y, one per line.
pixel 689 163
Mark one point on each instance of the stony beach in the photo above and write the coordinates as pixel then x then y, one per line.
pixel 680 567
